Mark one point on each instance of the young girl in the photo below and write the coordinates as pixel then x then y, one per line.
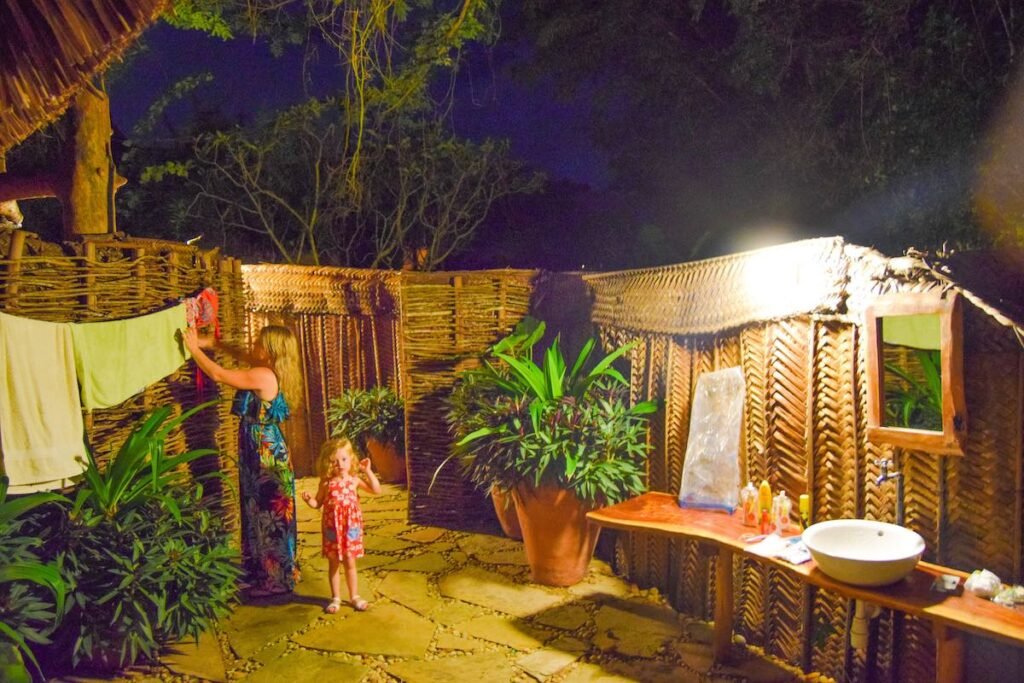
pixel 342 523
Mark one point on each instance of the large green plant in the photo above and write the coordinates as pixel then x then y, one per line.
pixel 149 562
pixel 359 413
pixel 32 592
pixel 550 422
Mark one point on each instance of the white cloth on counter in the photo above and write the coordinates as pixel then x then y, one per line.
pixel 791 549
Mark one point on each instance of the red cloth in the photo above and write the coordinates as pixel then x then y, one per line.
pixel 201 311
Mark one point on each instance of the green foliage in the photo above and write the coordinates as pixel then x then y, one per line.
pixel 912 402
pixel 148 561
pixel 858 117
pixel 359 413
pixel 200 15
pixel 32 592
pixel 550 423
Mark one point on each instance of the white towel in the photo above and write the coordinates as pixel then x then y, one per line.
pixel 41 428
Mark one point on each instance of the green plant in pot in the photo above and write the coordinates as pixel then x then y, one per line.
pixel 374 419
pixel 561 439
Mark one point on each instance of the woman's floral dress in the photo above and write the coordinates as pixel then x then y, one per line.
pixel 267 490
pixel 342 523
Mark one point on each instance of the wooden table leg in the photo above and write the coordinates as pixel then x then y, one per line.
pixel 949 654
pixel 721 639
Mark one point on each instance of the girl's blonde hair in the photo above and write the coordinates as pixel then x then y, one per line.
pixel 325 463
pixel 283 351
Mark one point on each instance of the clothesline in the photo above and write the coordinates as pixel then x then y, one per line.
pixel 50 371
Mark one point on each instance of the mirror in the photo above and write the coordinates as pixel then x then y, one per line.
pixel 915 372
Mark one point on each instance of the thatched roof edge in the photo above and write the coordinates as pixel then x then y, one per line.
pixel 50 49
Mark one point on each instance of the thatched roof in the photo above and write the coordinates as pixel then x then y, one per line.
pixel 51 48
pixel 818 276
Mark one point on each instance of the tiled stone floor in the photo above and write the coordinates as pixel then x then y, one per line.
pixel 457 606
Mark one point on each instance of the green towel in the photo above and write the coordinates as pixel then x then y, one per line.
pixel 116 360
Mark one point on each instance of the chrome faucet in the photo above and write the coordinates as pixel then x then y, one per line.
pixel 884 464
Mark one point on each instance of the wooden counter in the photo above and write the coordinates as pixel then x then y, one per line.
pixel 659 513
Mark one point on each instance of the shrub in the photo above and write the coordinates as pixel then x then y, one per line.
pixel 149 564
pixel 361 413
pixel 31 591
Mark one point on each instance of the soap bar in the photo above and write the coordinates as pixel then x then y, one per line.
pixel 946 583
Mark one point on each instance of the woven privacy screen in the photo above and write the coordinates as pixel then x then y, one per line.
pixel 723 293
pixel 51 48
pixel 109 280
pixel 804 430
pixel 449 319
pixel 348 327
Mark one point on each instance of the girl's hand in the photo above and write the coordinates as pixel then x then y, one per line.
pixel 306 496
pixel 365 465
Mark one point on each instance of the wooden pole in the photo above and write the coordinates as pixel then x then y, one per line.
pixel 90 182
pixel 14 252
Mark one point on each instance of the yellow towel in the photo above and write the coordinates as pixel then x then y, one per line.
pixel 118 359
pixel 41 430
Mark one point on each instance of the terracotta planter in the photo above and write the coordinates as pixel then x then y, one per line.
pixel 559 540
pixel 388 464
pixel 505 509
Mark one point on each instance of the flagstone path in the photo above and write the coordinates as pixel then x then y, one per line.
pixel 454 606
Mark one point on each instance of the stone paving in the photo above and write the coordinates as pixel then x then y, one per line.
pixel 455 606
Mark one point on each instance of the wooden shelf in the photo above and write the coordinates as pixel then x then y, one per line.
pixel 659 513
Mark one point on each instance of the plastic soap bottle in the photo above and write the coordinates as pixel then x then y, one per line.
pixel 781 509
pixel 805 510
pixel 748 504
pixel 764 506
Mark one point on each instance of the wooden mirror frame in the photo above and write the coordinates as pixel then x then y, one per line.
pixel 954 412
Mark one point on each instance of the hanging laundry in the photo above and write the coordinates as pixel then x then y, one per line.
pixel 117 359
pixel 41 429
pixel 201 310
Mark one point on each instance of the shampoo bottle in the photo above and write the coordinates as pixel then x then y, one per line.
pixel 748 504
pixel 764 506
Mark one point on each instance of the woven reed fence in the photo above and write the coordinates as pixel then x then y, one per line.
pixel 49 49
pixel 804 430
pixel 109 280
pixel 449 319
pixel 347 322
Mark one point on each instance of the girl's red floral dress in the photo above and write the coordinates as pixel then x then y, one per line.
pixel 342 523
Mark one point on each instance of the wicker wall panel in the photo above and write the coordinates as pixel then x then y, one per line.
pixel 113 279
pixel 448 320
pixel 348 326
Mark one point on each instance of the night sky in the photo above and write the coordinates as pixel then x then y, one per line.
pixel 545 132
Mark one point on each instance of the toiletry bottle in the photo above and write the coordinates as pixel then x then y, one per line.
pixel 748 504
pixel 764 506
pixel 781 509
pixel 805 510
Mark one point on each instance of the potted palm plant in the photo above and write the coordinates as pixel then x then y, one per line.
pixel 374 419
pixel 561 439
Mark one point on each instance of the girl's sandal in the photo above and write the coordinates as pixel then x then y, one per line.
pixel 358 604
pixel 333 606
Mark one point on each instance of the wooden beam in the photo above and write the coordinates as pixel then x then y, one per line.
pixel 90 184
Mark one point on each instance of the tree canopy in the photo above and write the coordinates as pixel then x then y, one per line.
pixel 865 118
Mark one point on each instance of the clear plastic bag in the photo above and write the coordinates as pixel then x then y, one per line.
pixel 711 470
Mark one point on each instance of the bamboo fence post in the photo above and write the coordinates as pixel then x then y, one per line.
pixel 14 253
pixel 138 255
pixel 89 280
pixel 172 270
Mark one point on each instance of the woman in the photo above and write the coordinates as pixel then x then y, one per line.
pixel 266 478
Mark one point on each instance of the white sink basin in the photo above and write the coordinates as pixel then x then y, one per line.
pixel 862 552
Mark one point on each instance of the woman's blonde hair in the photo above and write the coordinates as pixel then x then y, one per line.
pixel 283 351
pixel 325 463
